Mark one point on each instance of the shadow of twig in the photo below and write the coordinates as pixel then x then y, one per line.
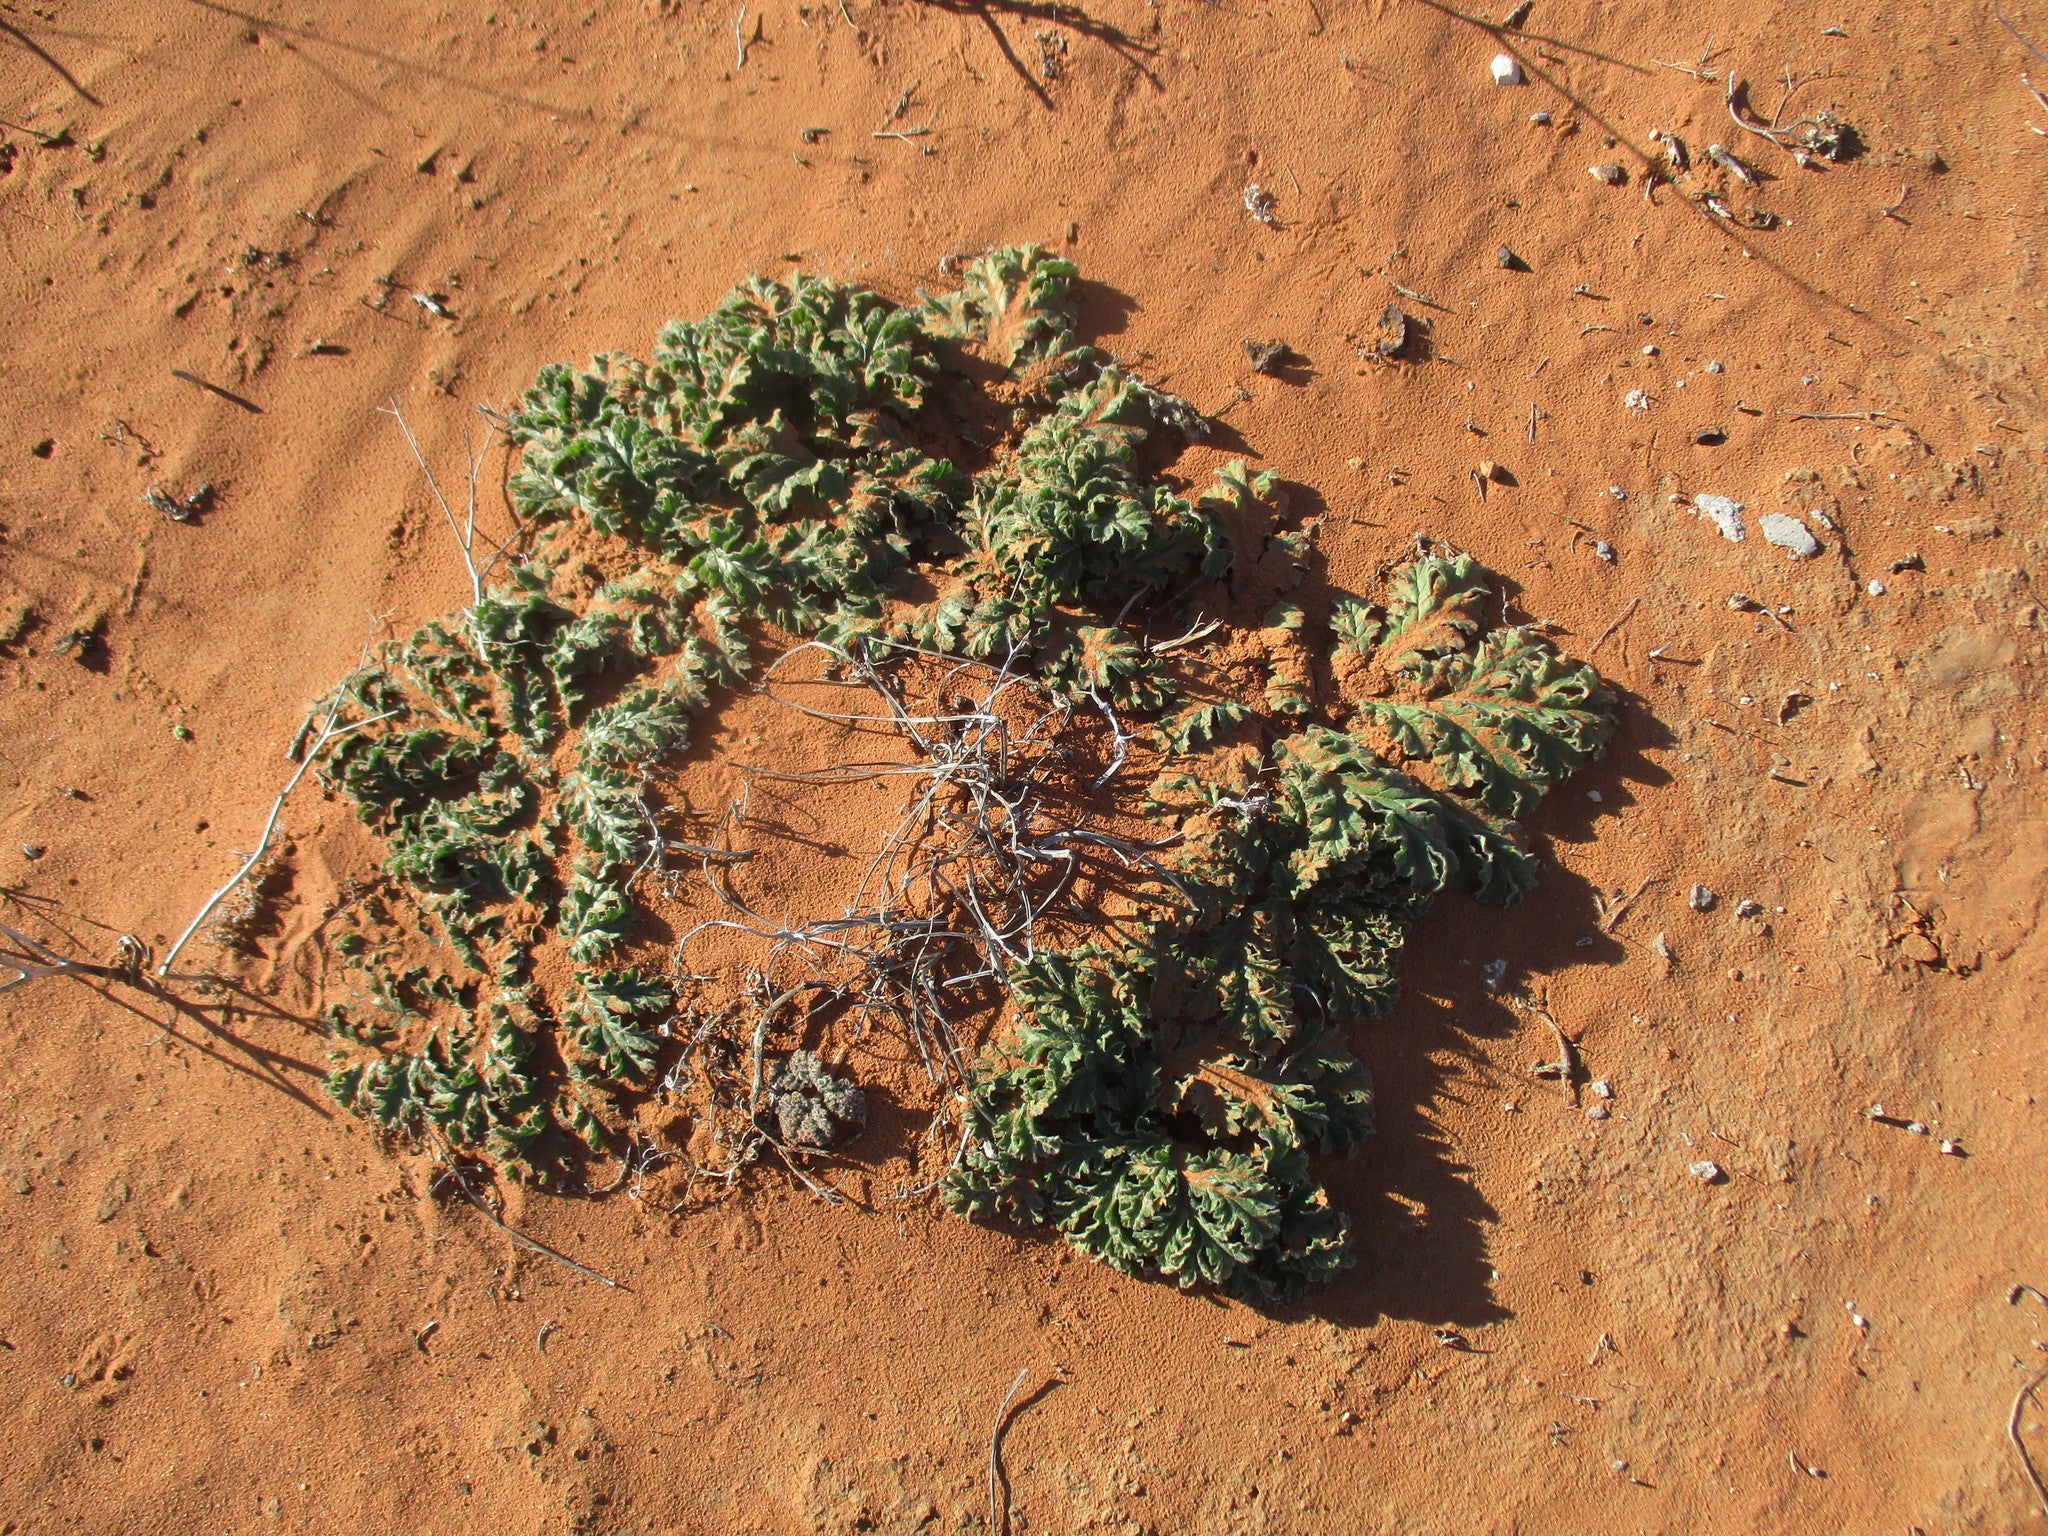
pixel 62 73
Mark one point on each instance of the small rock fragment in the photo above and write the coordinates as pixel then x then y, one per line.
pixel 1876 588
pixel 33 851
pixel 1637 400
pixel 1393 333
pixel 1604 550
pixel 1267 357
pixel 1788 533
pixel 1748 908
pixel 1702 899
pixel 1742 602
pixel 1706 1171
pixel 1952 1149
pixel 1510 261
pixel 1600 1088
pixel 1540 119
pixel 1261 204
pixel 1725 512
pixel 1506 69
pixel 1609 174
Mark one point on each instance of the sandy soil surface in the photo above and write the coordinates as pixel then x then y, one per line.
pixel 227 1308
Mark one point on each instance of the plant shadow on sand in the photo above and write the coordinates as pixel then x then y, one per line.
pixel 1420 1222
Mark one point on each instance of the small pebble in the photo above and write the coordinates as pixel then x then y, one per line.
pixel 1952 1148
pixel 1741 602
pixel 1650 350
pixel 183 733
pixel 1593 795
pixel 1604 550
pixel 1875 589
pixel 1915 1128
pixel 1702 899
pixel 1600 1088
pixel 1637 400
pixel 1617 493
pixel 1540 119
pixel 1710 1172
pixel 1611 174
pixel 1715 367
pixel 1506 71
pixel 1748 908
pixel 1596 1111
pixel 1789 534
pixel 33 851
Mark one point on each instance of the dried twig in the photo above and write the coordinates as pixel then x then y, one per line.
pixel 1612 916
pixel 465 535
pixel 998 1488
pixel 2012 1430
pixel 330 730
pixel 1608 633
pixel 454 1171
pixel 33 962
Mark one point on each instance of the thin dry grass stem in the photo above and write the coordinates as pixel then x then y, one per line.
pixel 452 1168
pixel 330 730
pixel 31 961
pixel 998 1489
pixel 465 532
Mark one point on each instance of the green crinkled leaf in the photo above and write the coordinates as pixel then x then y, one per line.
pixel 609 1008
pixel 1012 302
pixel 596 916
pixel 1199 724
pixel 1506 722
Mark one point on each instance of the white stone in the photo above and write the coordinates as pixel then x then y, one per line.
pixel 1506 71
pixel 1725 512
pixel 1788 533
